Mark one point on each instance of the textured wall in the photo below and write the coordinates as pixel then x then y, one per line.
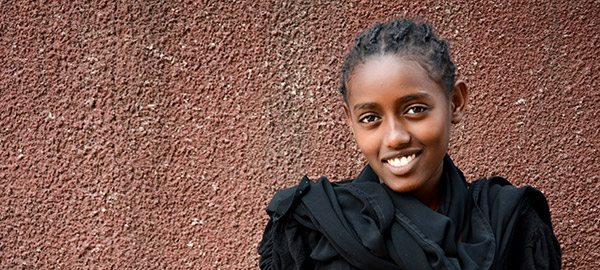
pixel 153 134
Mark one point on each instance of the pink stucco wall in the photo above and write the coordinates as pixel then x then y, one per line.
pixel 152 134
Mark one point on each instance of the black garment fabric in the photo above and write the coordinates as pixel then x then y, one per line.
pixel 362 224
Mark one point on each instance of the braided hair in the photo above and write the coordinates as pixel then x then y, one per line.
pixel 405 38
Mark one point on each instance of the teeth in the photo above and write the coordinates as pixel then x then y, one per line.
pixel 398 162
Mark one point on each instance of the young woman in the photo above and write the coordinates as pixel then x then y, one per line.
pixel 410 207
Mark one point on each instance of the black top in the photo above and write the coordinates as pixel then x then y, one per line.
pixel 362 224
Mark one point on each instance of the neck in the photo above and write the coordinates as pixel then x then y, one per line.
pixel 430 194
pixel 432 200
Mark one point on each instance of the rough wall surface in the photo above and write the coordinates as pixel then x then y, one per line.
pixel 152 134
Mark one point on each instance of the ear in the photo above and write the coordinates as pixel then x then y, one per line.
pixel 458 100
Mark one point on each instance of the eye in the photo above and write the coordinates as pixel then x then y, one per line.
pixel 416 109
pixel 368 119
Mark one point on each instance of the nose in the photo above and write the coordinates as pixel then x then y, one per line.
pixel 396 134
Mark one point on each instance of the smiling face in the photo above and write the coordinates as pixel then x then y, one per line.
pixel 401 121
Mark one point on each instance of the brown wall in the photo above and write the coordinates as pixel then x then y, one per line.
pixel 154 134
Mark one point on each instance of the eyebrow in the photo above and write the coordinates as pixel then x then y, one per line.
pixel 404 99
pixel 368 105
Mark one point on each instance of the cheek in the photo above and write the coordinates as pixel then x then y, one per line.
pixel 434 133
pixel 367 141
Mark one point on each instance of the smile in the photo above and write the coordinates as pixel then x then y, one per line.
pixel 401 161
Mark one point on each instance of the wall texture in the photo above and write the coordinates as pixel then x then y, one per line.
pixel 152 134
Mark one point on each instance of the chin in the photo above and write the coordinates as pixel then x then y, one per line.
pixel 400 187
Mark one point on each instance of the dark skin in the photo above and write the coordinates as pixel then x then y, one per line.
pixel 401 121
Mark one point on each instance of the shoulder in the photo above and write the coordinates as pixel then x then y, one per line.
pixel 523 216
pixel 286 199
pixel 285 245
pixel 533 244
pixel 290 236
pixel 498 194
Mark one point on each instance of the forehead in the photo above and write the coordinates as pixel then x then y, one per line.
pixel 390 75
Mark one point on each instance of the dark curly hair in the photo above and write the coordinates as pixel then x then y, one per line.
pixel 406 38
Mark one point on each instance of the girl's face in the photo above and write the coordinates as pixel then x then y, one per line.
pixel 401 121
